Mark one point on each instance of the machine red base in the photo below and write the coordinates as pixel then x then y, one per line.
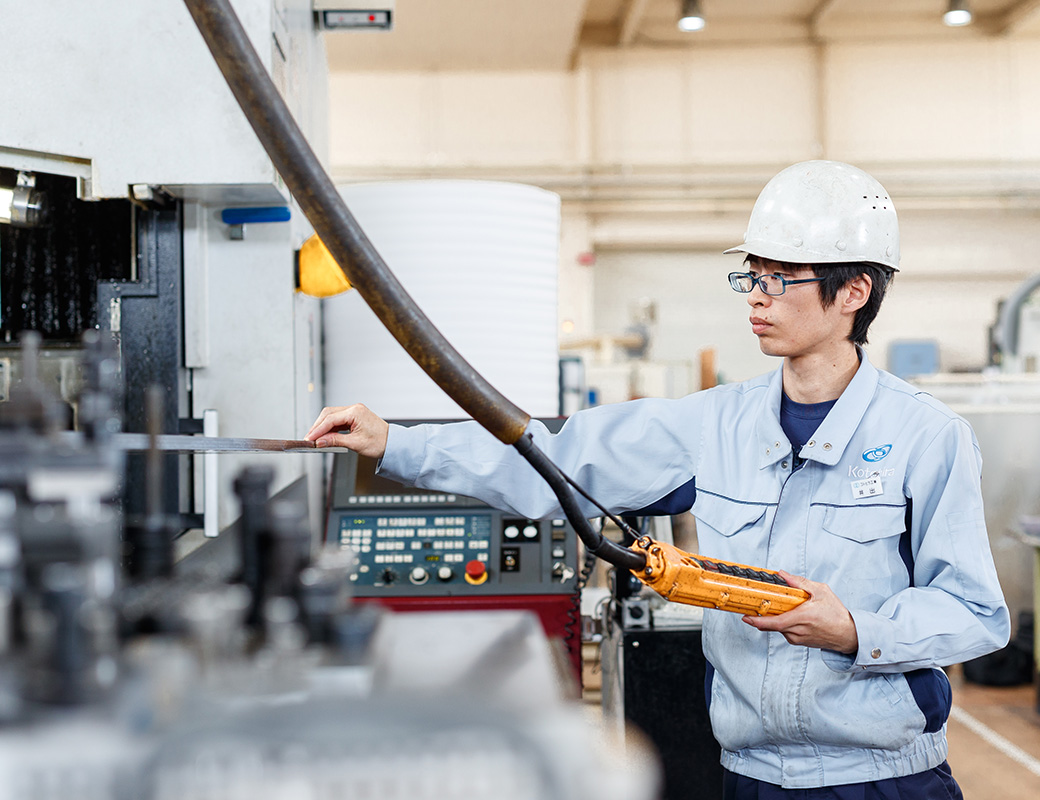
pixel 560 615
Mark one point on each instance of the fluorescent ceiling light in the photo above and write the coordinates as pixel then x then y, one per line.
pixel 692 18
pixel 957 14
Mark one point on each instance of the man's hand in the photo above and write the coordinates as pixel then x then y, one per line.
pixel 353 427
pixel 821 621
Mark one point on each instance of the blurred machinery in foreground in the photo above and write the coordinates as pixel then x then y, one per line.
pixel 126 676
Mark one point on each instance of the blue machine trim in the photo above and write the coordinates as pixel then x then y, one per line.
pixel 241 216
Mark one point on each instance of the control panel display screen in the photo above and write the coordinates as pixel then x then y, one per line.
pixel 391 546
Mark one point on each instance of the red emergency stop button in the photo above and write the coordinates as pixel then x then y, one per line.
pixel 476 572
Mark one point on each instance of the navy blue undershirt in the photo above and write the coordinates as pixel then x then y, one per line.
pixel 800 421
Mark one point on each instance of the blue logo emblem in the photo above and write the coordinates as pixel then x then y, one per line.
pixel 877 453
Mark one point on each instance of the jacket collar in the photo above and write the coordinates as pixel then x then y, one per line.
pixel 769 436
pixel 828 444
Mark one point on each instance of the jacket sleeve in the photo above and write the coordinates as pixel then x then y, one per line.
pixel 626 455
pixel 954 609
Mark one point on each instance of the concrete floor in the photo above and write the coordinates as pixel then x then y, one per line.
pixel 994 735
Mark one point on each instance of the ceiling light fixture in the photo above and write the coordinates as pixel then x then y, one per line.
pixel 957 14
pixel 692 18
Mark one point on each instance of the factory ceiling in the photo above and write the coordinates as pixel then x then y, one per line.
pixel 548 34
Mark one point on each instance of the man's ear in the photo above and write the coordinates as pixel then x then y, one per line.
pixel 856 294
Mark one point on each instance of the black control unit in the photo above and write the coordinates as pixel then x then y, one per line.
pixel 416 543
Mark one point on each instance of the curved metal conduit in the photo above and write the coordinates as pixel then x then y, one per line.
pixel 313 189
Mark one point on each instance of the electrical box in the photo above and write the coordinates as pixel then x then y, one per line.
pixel 345 15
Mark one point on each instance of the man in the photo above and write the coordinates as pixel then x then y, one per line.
pixel 828 468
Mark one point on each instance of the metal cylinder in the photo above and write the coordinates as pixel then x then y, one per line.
pixel 22 206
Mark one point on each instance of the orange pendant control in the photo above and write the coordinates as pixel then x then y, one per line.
pixel 699 581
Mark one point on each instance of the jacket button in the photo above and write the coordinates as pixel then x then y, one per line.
pixel 875 653
pixel 811 443
pixel 826 445
pixel 783 464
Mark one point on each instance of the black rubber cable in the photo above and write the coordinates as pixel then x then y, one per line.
pixel 313 189
pixel 594 541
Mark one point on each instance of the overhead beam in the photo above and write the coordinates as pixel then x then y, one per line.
pixel 1017 16
pixel 823 8
pixel 635 12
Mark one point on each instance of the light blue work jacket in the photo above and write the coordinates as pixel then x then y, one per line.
pixel 886 509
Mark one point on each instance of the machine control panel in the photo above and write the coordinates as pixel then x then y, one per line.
pixel 436 550
pixel 411 542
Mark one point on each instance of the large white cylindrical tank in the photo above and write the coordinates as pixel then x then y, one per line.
pixel 481 259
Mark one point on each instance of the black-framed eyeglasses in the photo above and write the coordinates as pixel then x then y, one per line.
pixel 773 285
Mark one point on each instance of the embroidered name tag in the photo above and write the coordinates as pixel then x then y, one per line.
pixel 868 487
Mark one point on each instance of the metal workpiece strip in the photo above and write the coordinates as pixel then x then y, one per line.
pixel 176 443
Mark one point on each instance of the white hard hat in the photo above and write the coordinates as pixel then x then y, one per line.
pixel 823 212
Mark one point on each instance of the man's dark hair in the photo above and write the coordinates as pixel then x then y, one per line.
pixel 835 276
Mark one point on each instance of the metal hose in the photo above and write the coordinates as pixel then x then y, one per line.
pixel 313 189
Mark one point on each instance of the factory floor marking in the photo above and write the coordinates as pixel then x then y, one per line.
pixel 1005 746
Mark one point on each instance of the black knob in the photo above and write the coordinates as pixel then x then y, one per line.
pixel 389 576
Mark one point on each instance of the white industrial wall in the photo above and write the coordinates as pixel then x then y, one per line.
pixel 957 266
pixel 658 156
pixel 926 101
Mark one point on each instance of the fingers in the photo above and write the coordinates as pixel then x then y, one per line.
pixel 781 622
pixel 764 623
pixel 332 419
pixel 798 582
pixel 821 621
pixel 353 427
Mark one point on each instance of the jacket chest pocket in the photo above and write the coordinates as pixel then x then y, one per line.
pixel 863 560
pixel 865 524
pixel 724 516
pixel 730 530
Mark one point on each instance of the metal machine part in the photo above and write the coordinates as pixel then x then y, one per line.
pixel 185 443
pixel 445 706
pixel 23 205
pixel 158 684
pixel 59 524
pixel 1007 332
pixel 110 266
pixel 50 274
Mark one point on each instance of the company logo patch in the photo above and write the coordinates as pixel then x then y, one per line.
pixel 877 453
